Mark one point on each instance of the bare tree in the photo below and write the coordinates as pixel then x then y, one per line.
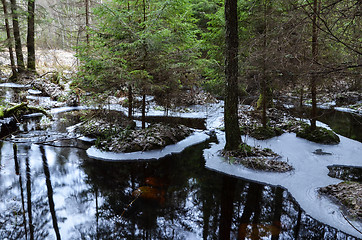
pixel 313 80
pixel 16 30
pixel 9 40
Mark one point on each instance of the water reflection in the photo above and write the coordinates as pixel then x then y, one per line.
pixel 344 123
pixel 177 199
pixel 17 172
pixel 28 193
pixel 346 173
pixel 50 193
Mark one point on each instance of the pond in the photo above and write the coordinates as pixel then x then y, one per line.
pixel 54 192
pixel 51 189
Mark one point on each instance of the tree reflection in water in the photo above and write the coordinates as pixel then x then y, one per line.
pixel 50 193
pixel 179 199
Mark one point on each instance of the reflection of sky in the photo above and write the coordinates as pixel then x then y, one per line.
pixel 310 172
pixel 184 214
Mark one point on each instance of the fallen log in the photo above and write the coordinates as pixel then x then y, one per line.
pixel 20 110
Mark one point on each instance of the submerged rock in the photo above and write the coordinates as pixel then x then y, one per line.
pixel 321 152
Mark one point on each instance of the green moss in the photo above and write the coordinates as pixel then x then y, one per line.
pixel 245 148
pixel 262 133
pixel 269 99
pixel 319 135
pixel 243 130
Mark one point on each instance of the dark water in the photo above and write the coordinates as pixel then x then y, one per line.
pixel 51 190
pixel 54 192
pixel 343 123
pixel 346 173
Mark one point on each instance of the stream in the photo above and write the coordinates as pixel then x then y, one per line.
pixel 55 185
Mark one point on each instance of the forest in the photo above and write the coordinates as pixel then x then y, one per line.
pixel 220 83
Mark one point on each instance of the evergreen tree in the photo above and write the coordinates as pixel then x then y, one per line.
pixel 148 46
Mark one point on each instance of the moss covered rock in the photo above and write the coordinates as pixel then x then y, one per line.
pixel 262 133
pixel 319 135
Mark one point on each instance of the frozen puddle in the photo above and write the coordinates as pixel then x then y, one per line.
pixel 194 139
pixel 309 174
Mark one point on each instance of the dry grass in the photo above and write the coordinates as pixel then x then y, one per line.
pixel 49 60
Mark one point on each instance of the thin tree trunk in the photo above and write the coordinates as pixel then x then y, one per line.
pixel 144 68
pixel 16 30
pixel 313 81
pixel 9 40
pixel 31 36
pixel 87 20
pixel 264 84
pixel 144 111
pixel 232 131
pixel 130 101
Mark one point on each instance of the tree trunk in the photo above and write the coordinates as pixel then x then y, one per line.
pixel 87 20
pixel 313 81
pixel 130 101
pixel 9 40
pixel 31 36
pixel 264 83
pixel 232 131
pixel 144 111
pixel 16 30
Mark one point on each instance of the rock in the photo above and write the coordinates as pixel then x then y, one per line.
pixel 320 152
pixel 319 135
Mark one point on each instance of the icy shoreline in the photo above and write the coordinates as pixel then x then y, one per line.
pixel 310 173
